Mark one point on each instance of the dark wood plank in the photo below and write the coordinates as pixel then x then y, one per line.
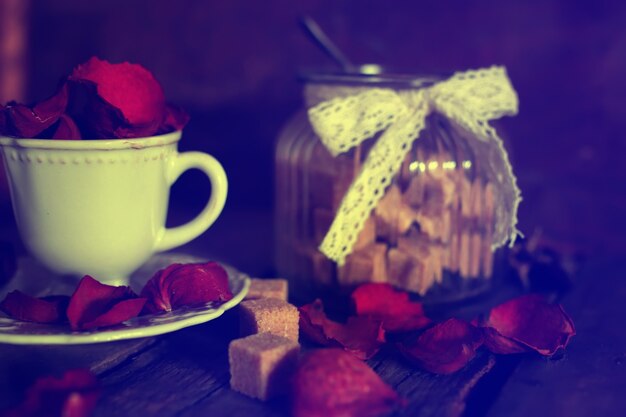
pixel 590 378
pixel 432 395
pixel 185 373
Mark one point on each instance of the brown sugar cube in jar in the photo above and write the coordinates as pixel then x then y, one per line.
pixel 269 315
pixel 267 288
pixel 365 265
pixel 261 365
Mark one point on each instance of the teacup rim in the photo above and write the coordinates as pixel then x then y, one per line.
pixel 93 144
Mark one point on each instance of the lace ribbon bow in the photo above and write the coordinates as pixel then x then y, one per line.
pixel 471 99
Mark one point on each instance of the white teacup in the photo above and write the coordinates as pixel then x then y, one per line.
pixel 98 207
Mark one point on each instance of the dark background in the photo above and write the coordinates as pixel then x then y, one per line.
pixel 233 65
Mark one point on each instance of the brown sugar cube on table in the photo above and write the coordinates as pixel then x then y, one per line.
pixel 269 315
pixel 262 364
pixel 267 288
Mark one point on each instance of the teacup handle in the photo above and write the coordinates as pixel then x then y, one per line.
pixel 177 236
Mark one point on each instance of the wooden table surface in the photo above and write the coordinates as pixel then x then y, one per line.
pixel 185 373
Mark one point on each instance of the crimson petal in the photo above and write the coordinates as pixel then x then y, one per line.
pixel 23 307
pixel 75 394
pixel 186 285
pixel 393 307
pixel 496 343
pixel 175 119
pixel 66 129
pixel 332 383
pixel 28 122
pixel 94 304
pixel 130 101
pixel 446 347
pixel 361 336
pixel 528 322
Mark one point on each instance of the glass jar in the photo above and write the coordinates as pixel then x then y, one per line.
pixel 432 231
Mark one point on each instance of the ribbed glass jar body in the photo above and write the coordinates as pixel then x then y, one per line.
pixel 430 234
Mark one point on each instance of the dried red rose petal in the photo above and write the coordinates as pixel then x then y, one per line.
pixel 393 307
pixel 23 307
pixel 361 336
pixel 75 394
pixel 22 121
pixel 446 347
pixel 94 304
pixel 528 322
pixel 65 128
pixel 496 343
pixel 175 119
pixel 332 383
pixel 186 285
pixel 129 102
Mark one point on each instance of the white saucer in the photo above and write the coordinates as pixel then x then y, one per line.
pixel 34 280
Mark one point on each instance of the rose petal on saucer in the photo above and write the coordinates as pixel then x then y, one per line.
pixel 528 322
pixel 94 304
pixel 186 285
pixel 74 394
pixel 444 348
pixel 393 307
pixel 135 99
pixel 333 383
pixel 360 336
pixel 23 121
pixel 23 307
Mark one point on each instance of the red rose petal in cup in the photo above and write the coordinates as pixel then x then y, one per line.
pixel 94 304
pixel 175 119
pixel 361 336
pixel 186 285
pixel 66 129
pixel 129 88
pixel 444 348
pixel 332 383
pixel 528 321
pixel 28 122
pixel 397 312
pixel 75 394
pixel 23 307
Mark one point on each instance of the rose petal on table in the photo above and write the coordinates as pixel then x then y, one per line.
pixel 332 383
pixel 360 336
pixel 23 121
pixel 94 304
pixel 393 307
pixel 528 321
pixel 496 343
pixel 75 394
pixel 129 103
pixel 23 307
pixel 444 348
pixel 186 285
